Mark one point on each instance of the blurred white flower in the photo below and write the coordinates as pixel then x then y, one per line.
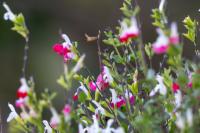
pixel 160 87
pixel 189 117
pixel 106 75
pixel 9 15
pixel 47 128
pixel 67 42
pixel 99 108
pixel 178 99
pixel 79 64
pixel 161 5
pixel 180 122
pixel 94 128
pixel 13 114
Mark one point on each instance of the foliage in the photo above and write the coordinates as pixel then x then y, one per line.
pixel 130 94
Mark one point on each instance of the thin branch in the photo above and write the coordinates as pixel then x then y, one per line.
pixel 25 58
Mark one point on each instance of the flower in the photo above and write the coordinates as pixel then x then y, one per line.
pixel 95 128
pixel 92 86
pixel 99 108
pixel 67 109
pixel 189 117
pixel 13 114
pixel 64 49
pixel 47 128
pixel 174 37
pixel 178 98
pixel 161 5
pixel 79 64
pixel 104 79
pixel 119 101
pixel 9 15
pixel 159 87
pixel 22 92
pixel 129 32
pixel 161 44
pixel 75 96
pixel 20 102
pixel 55 120
pixel 180 122
pixel 175 87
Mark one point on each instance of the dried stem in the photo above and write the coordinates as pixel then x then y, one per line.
pixel 25 58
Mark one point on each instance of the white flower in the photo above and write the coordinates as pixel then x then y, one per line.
pixel 189 117
pixel 106 75
pixel 9 15
pixel 94 128
pixel 24 87
pixel 180 122
pixel 114 96
pixel 67 42
pixel 79 64
pixel 174 30
pixel 13 114
pixel 47 128
pixel 160 87
pixel 99 108
pixel 83 88
pixel 161 5
pixel 178 99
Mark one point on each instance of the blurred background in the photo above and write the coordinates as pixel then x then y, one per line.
pixel 45 18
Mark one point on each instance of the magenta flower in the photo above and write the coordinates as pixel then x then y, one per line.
pixel 175 87
pixel 92 86
pixel 129 32
pixel 67 109
pixel 20 102
pixel 161 44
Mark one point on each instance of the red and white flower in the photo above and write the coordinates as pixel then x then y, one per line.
pixel 174 36
pixel 129 32
pixel 64 49
pixel 161 44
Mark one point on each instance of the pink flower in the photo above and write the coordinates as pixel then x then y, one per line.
pixel 189 85
pixel 67 109
pixel 174 37
pixel 175 87
pixel 22 92
pixel 92 86
pixel 129 32
pixel 161 45
pixel 55 120
pixel 101 83
pixel 20 102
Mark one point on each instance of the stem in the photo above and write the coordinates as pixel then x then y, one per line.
pixel 99 50
pixel 25 58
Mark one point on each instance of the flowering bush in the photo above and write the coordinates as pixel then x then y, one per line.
pixel 128 95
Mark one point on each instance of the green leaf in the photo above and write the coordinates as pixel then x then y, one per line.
pixel 191 27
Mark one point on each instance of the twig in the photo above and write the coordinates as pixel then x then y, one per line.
pixel 25 58
pixel 99 50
